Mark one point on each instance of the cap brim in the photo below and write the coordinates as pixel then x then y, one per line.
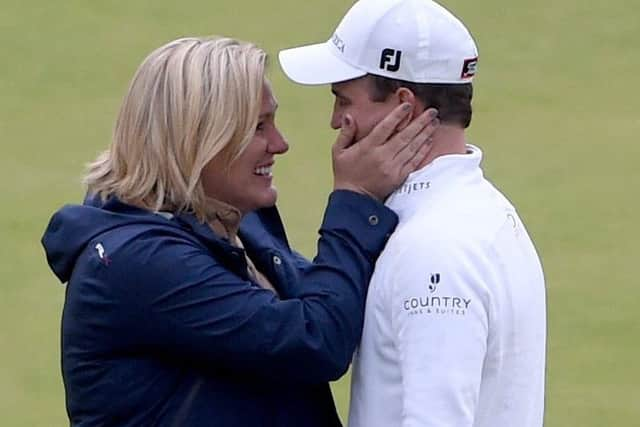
pixel 316 65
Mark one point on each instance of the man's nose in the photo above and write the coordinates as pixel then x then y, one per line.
pixel 336 120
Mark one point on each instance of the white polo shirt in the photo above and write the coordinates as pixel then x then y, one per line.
pixel 455 322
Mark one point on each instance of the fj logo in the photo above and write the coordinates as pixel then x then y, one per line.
pixel 390 59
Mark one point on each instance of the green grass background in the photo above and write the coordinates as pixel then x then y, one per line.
pixel 556 112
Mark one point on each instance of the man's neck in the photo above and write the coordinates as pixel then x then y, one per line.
pixel 446 140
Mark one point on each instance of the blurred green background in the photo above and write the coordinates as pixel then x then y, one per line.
pixel 556 112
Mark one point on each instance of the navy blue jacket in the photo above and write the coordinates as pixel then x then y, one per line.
pixel 162 325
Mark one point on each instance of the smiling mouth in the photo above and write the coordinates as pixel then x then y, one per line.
pixel 263 171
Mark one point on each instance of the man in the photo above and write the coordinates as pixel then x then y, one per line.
pixel 455 323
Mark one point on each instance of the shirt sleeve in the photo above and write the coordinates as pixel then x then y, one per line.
pixel 440 321
pixel 166 295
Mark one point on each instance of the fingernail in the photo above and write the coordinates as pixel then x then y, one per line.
pixel 436 122
pixel 406 107
pixel 433 113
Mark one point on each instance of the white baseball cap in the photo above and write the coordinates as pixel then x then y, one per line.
pixel 417 41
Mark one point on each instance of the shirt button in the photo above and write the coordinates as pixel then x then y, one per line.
pixel 277 260
pixel 373 220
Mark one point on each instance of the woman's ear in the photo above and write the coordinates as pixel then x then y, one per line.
pixel 405 95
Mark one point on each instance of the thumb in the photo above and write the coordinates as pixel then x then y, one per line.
pixel 347 133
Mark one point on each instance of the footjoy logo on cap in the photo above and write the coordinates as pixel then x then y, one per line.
pixel 386 59
pixel 469 68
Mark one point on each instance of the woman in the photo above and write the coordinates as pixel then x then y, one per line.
pixel 174 314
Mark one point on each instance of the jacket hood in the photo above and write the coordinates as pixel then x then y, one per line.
pixel 74 226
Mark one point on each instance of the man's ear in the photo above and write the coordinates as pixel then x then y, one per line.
pixel 405 95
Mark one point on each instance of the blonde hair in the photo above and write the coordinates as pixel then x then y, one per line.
pixel 189 101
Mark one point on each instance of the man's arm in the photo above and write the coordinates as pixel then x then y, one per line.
pixel 441 317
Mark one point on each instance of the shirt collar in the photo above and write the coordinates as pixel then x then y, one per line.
pixel 441 173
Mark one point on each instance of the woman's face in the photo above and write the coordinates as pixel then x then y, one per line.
pixel 247 185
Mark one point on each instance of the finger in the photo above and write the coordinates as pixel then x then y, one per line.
pixel 411 147
pixel 383 130
pixel 418 124
pixel 410 151
pixel 403 138
pixel 347 133
pixel 414 162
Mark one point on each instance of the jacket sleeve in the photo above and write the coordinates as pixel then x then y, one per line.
pixel 177 300
pixel 440 318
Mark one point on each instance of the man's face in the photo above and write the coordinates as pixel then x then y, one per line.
pixel 353 97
